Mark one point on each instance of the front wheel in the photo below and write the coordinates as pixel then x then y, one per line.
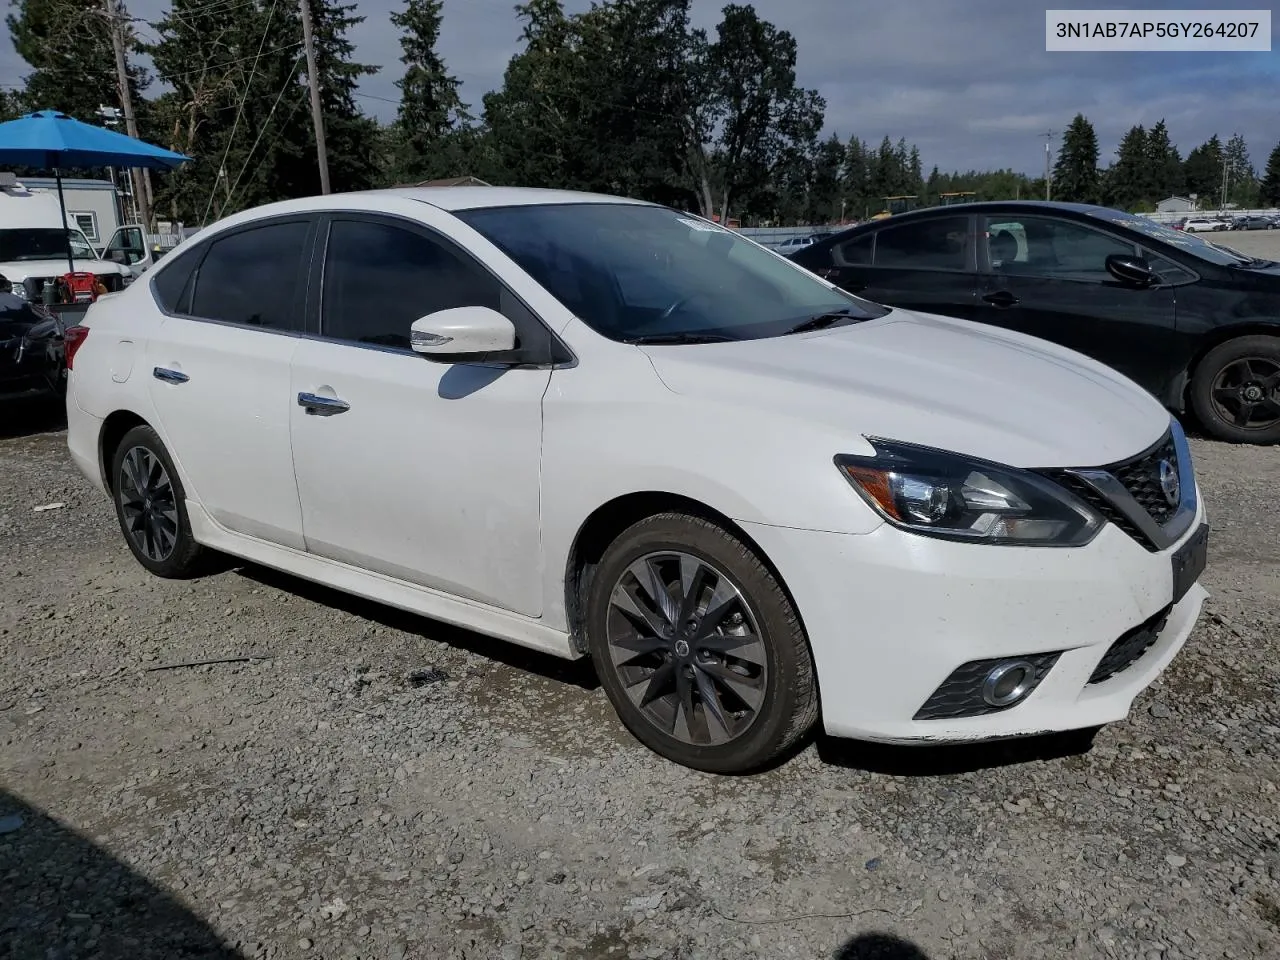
pixel 1235 390
pixel 151 506
pixel 698 647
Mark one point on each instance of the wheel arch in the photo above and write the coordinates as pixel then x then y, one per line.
pixel 114 427
pixel 1220 335
pixel 603 525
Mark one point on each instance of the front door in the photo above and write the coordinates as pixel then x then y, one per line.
pixel 1047 276
pixel 128 246
pixel 423 471
pixel 218 369
pixel 924 264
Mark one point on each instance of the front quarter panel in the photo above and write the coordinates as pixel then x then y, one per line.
pixel 611 428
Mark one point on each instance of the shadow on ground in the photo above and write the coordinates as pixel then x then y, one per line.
pixel 578 673
pixel 64 896
pixel 950 759
pixel 879 946
pixel 904 761
pixel 25 417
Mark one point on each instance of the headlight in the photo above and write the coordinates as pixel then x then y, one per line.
pixel 947 495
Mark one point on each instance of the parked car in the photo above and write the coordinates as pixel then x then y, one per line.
pixel 1254 222
pixel 793 243
pixel 31 351
pixel 1192 321
pixel 600 427
pixel 1205 224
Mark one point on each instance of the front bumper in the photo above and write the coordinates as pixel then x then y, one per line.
pixel 890 615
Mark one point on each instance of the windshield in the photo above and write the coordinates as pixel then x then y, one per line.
pixel 42 243
pixel 639 272
pixel 1189 242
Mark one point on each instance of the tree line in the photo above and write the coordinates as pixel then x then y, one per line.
pixel 1148 168
pixel 624 98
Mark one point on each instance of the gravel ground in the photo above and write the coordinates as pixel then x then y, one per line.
pixel 373 785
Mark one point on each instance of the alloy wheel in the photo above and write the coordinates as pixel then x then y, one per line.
pixel 1246 392
pixel 148 504
pixel 687 648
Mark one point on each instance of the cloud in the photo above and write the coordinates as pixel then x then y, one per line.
pixel 969 82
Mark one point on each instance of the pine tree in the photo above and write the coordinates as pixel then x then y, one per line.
pixel 1075 175
pixel 1203 170
pixel 430 108
pixel 1125 183
pixel 1165 176
pixel 1242 186
pixel 69 46
pixel 1269 189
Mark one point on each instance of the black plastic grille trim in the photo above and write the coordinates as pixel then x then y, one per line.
pixel 1129 649
pixel 960 695
pixel 1140 476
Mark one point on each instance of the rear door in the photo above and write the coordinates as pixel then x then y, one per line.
pixel 219 373
pixel 1047 276
pixel 924 264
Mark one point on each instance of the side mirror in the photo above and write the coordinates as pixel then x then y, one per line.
pixel 462 334
pixel 1134 271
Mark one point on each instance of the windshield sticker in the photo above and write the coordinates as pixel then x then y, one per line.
pixel 699 225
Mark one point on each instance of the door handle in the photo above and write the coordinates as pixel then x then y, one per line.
pixel 169 376
pixel 1001 299
pixel 324 406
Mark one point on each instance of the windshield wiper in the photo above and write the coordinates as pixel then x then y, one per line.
pixel 665 338
pixel 820 321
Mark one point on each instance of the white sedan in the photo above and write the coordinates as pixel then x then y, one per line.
pixel 600 427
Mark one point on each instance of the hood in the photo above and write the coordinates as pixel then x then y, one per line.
pixel 930 380
pixel 19 270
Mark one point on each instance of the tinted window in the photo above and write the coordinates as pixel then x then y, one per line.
pixel 172 285
pixel 855 252
pixel 254 277
pixel 1044 247
pixel 940 244
pixel 1167 270
pixel 635 272
pixel 379 278
pixel 1177 238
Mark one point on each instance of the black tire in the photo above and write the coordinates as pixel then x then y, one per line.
pixel 784 683
pixel 1238 366
pixel 180 558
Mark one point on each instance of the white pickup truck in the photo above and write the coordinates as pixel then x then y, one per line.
pixel 33 245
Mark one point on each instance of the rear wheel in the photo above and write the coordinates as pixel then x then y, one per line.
pixel 698 646
pixel 151 506
pixel 1235 390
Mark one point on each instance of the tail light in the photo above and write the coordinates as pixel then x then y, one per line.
pixel 72 338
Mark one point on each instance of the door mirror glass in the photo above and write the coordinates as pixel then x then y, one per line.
pixel 1132 270
pixel 462 333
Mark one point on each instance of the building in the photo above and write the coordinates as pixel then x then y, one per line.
pixel 93 205
pixel 1175 205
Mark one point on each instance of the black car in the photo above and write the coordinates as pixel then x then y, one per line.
pixel 1194 322
pixel 31 350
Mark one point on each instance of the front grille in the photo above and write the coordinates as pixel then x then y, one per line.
pixel 1140 476
pixel 1142 479
pixel 1129 649
pixel 960 695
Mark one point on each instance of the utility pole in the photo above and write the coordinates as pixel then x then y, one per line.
pixel 115 14
pixel 313 81
pixel 1047 178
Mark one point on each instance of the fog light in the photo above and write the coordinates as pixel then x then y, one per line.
pixel 1008 683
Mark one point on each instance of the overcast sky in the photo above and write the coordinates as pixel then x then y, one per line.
pixel 969 81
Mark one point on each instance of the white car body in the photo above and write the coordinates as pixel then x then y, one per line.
pixel 1204 225
pixel 474 484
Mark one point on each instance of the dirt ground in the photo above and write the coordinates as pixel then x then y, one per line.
pixel 375 785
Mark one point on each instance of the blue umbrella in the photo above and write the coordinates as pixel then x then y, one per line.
pixel 53 141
